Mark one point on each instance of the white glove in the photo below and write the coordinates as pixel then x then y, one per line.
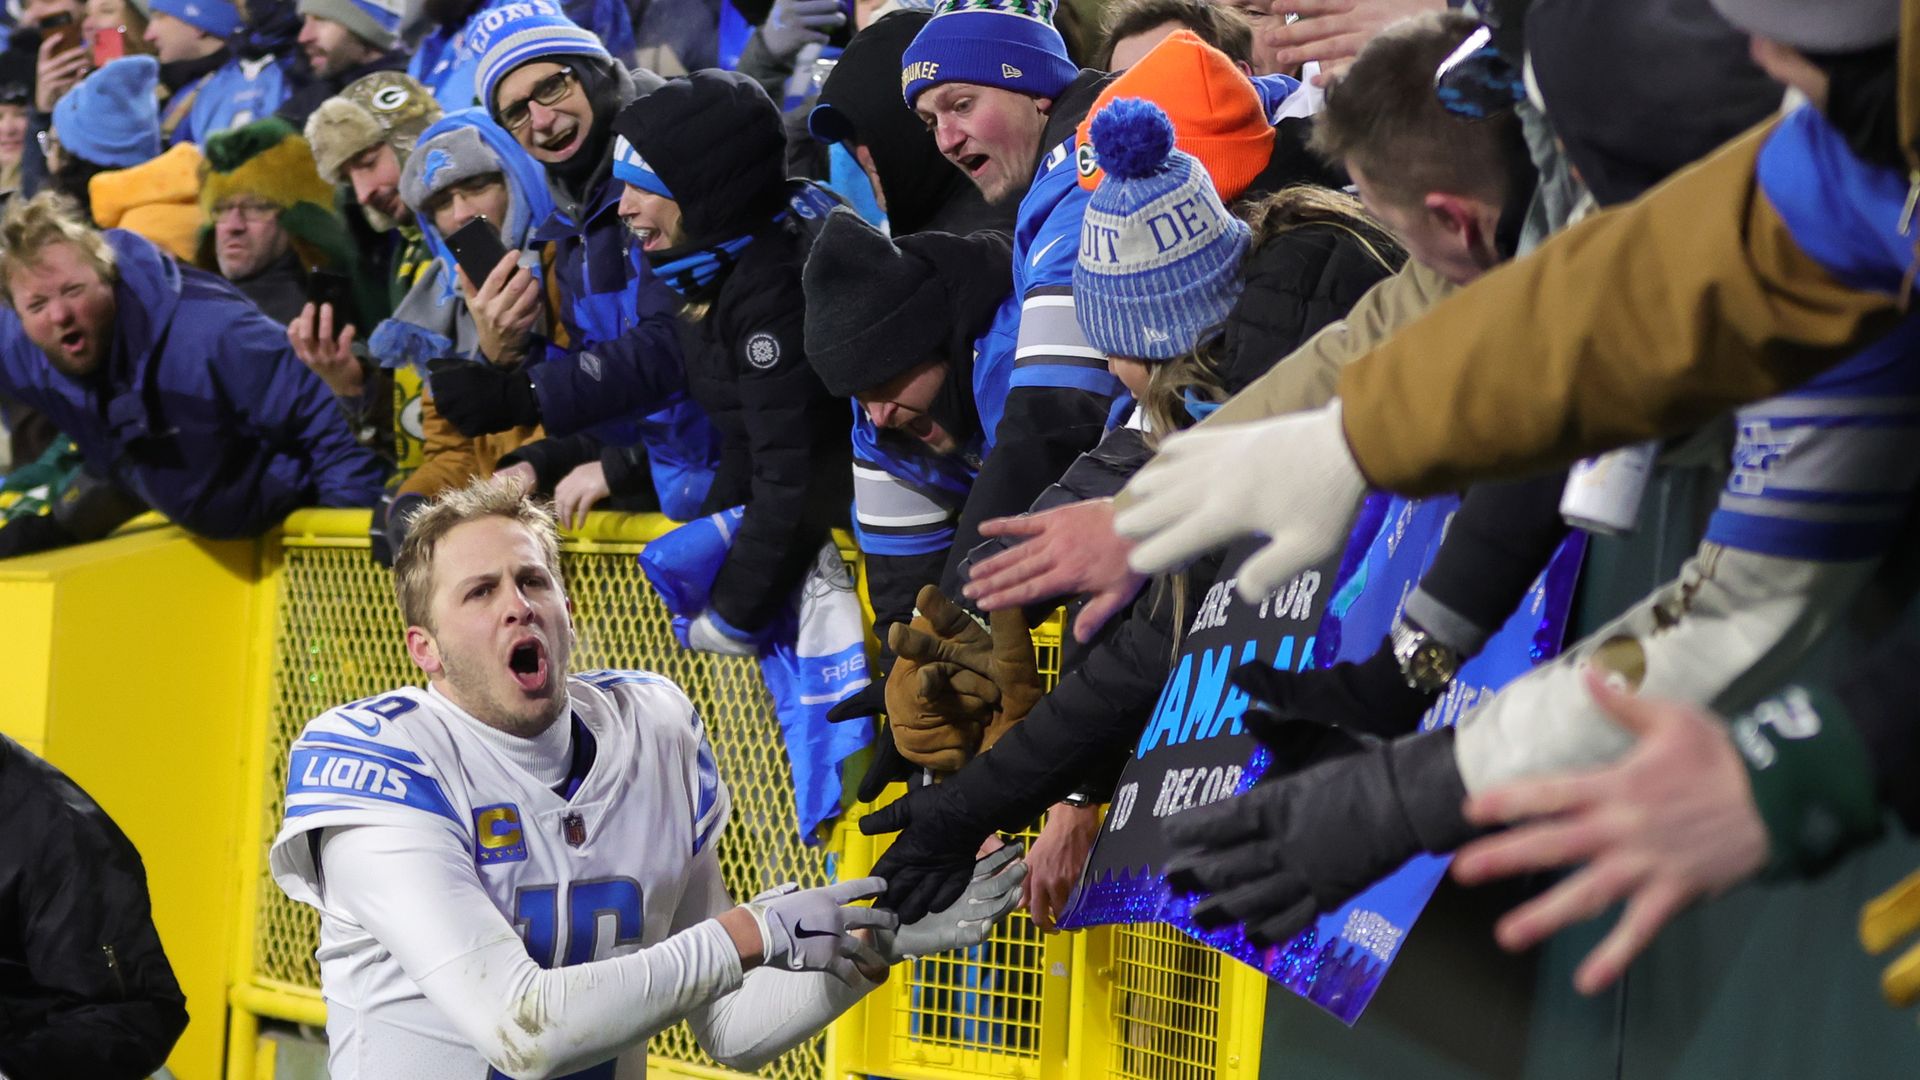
pixel 1291 478
pixel 994 891
pixel 811 929
pixel 705 634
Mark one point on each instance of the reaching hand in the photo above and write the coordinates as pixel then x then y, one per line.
pixel 1672 822
pixel 939 708
pixel 887 766
pixel 504 308
pixel 480 399
pixel 519 473
pixel 792 25
pixel 812 929
pixel 576 493
pixel 709 633
pixel 1068 550
pixel 930 862
pixel 1291 478
pixel 1059 854
pixel 1289 850
pixel 1334 31
pixel 1370 697
pixel 993 891
pixel 326 354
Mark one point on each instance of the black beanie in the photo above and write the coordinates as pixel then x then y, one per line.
pixel 876 309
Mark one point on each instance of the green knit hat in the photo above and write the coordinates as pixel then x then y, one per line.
pixel 269 160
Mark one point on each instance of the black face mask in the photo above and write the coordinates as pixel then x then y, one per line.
pixel 1863 102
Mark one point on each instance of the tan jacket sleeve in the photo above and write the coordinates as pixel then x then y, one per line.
pixel 1641 321
pixel 447 460
pixel 1305 378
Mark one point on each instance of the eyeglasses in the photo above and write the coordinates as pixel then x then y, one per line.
pixel 1476 82
pixel 255 212
pixel 548 91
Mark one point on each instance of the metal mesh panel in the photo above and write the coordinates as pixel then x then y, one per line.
pixel 1164 1005
pixel 338 639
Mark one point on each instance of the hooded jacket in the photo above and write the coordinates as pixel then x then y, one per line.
pixel 201 408
pixel 715 139
pixel 85 987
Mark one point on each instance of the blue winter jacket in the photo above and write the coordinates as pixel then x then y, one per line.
pixel 239 92
pixel 201 410
pixel 621 353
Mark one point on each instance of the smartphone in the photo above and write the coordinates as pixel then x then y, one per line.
pixel 327 287
pixel 62 28
pixel 109 44
pixel 477 249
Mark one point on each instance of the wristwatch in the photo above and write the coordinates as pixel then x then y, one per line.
pixel 1426 663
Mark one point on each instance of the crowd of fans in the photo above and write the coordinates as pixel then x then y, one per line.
pixel 960 278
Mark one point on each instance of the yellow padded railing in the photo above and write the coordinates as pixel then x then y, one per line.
pixel 1134 1002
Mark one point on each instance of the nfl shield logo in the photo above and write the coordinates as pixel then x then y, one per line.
pixel 575 829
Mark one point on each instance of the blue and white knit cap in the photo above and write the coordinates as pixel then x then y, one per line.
pixel 217 17
pixel 376 22
pixel 1010 44
pixel 508 35
pixel 630 168
pixel 1159 265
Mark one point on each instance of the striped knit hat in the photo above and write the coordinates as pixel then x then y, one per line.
pixel 509 35
pixel 1160 256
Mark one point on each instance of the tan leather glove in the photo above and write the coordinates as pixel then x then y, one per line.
pixel 938 707
pixel 1884 922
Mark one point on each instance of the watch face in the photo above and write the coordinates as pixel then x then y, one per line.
pixel 1431 664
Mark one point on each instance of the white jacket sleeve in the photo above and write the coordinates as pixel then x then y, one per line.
pixel 417 894
pixel 1722 633
pixel 773 1011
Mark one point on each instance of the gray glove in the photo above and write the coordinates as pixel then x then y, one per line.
pixel 994 891
pixel 811 929
pixel 795 24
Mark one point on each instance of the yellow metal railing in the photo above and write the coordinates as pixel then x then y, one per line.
pixel 1140 1002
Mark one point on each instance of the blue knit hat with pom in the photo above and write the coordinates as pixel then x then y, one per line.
pixel 1160 257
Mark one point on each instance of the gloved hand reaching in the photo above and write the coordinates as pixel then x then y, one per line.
pixel 972 684
pixel 1370 697
pixel 480 399
pixel 887 766
pixel 794 24
pixel 1287 851
pixel 812 929
pixel 993 891
pixel 1291 478
pixel 710 633
pixel 930 862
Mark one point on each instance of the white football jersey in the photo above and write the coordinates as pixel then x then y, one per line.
pixel 587 878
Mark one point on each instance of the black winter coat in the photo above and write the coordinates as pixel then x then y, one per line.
pixel 85 988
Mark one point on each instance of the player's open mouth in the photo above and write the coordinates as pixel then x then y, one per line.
pixel 528 665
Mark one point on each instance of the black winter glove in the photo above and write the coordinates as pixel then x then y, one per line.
pixel 887 767
pixel 1370 697
pixel 1287 851
pixel 28 534
pixel 931 861
pixel 480 399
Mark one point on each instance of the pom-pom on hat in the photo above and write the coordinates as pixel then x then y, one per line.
pixel 1010 44
pixel 1159 265
pixel 1216 113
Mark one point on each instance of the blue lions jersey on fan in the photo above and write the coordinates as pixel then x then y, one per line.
pixel 584 878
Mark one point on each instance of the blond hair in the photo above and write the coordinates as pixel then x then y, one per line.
pixel 32 226
pixel 481 498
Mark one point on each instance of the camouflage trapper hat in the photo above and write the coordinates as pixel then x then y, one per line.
pixel 387 106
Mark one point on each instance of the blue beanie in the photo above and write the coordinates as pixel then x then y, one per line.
pixel 217 17
pixel 630 168
pixel 1010 44
pixel 113 118
pixel 506 36
pixel 1159 264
